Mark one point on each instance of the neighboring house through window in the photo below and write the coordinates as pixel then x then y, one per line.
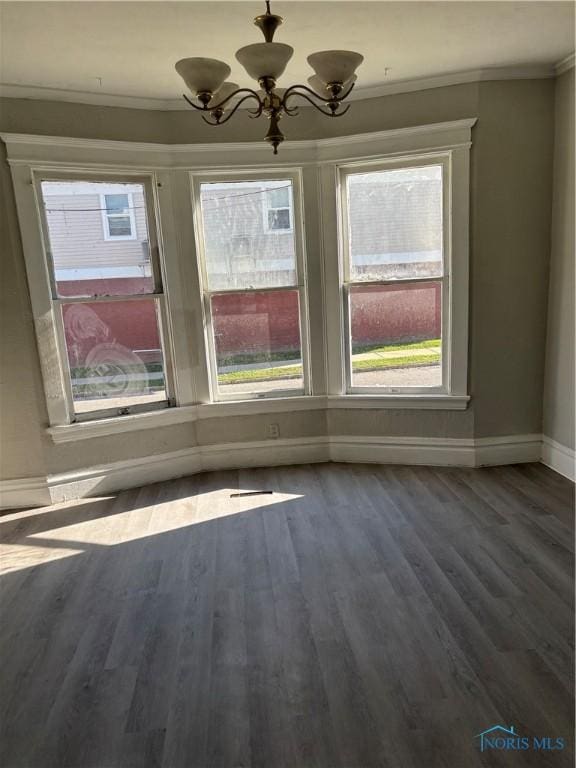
pixel 118 217
pixel 278 210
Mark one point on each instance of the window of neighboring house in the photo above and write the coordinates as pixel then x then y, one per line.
pixel 107 298
pixel 118 216
pixel 255 307
pixel 278 209
pixel 396 277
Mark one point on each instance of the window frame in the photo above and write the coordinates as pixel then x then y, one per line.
pixel 300 285
pixel 59 395
pixel 106 219
pixel 444 277
pixel 285 230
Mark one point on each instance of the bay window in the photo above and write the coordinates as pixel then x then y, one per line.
pixel 339 280
pixel 252 277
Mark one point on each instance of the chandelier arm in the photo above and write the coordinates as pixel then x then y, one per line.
pixel 200 109
pixel 248 91
pixel 345 95
pixel 316 106
pixel 255 113
pixel 290 111
pixel 340 114
pixel 204 108
pixel 291 91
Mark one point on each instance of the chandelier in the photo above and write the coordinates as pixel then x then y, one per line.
pixel 265 62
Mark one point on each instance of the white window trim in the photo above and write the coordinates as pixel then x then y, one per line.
pixel 266 208
pixel 46 304
pixel 170 166
pixel 455 312
pixel 106 219
pixel 444 278
pixel 294 175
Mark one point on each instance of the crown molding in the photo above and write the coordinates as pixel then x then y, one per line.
pixel 60 151
pixel 526 72
pixel 41 93
pixel 565 64
pixel 239 146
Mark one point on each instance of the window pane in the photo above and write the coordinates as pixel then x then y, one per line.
pixel 116 203
pixel 279 197
pixel 257 340
pixel 119 226
pixel 395 223
pixel 396 335
pixel 115 354
pixel 241 250
pixel 279 218
pixel 85 262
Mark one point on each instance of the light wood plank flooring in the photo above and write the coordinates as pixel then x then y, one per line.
pixel 358 616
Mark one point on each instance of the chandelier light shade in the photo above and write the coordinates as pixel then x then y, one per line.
pixel 202 75
pixel 265 59
pixel 319 87
pixel 335 66
pixel 265 62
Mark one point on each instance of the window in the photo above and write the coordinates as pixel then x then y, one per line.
pixel 252 278
pixel 378 319
pixel 118 216
pixel 278 209
pixel 396 277
pixel 107 298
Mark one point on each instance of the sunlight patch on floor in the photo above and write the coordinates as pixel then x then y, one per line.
pixel 118 527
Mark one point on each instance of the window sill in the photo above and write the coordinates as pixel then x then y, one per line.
pixel 261 405
pixel 120 424
pixel 178 415
pixel 401 402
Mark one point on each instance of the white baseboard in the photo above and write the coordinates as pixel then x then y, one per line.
pixel 403 450
pixel 559 457
pixel 511 449
pixel 120 475
pixel 24 492
pixel 443 451
pixel 435 451
pixel 169 466
pixel 266 453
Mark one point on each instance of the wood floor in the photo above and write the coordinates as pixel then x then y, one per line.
pixel 358 616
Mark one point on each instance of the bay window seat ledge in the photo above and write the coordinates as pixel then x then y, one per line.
pixel 180 414
pixel 115 425
pixel 439 402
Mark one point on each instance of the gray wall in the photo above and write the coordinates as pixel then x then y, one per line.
pixel 559 375
pixel 510 240
pixel 510 235
pixel 22 409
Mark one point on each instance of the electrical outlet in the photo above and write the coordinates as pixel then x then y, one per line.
pixel 273 431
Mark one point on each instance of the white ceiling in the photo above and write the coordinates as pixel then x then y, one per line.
pixel 116 49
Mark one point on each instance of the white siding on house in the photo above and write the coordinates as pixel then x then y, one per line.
pixel 240 249
pixel 76 226
pixel 395 223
